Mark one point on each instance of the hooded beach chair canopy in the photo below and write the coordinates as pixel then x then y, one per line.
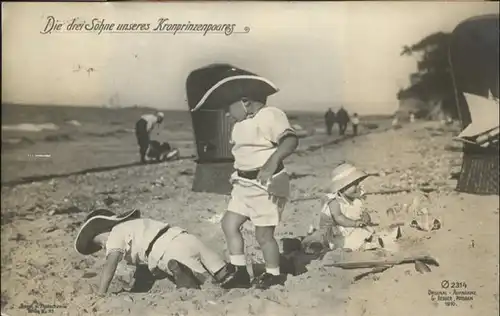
pixel 474 53
pixel 216 86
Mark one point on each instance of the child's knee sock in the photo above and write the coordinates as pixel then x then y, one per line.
pixel 273 271
pixel 238 260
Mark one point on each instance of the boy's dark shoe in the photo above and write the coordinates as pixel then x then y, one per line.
pixel 236 278
pixel 183 276
pixel 266 280
pixel 223 274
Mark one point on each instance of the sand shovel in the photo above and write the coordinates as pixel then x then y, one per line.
pixel 421 267
pixel 381 266
pixel 372 271
pixel 383 263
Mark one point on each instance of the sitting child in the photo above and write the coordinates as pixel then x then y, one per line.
pixel 342 222
pixel 163 248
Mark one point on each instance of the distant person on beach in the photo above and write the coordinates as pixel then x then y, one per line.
pixel 329 121
pixel 342 221
pixel 167 251
pixel 262 138
pixel 449 120
pixel 412 117
pixel 143 129
pixel 342 119
pixel 395 122
pixel 355 124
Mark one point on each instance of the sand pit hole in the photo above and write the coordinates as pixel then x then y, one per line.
pixel 83 264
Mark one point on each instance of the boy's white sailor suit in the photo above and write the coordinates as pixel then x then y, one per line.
pixel 254 140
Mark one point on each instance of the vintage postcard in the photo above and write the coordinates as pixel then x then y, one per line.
pixel 250 158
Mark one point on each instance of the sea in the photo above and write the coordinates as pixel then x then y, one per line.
pixel 42 141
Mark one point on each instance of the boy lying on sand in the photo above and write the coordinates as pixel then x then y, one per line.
pixel 342 221
pixel 163 248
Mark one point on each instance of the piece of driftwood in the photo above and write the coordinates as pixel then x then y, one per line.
pixel 382 263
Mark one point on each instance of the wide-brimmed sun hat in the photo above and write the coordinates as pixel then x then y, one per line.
pixel 160 114
pixel 97 222
pixel 346 174
pixel 220 85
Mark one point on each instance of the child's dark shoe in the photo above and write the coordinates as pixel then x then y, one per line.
pixel 183 276
pixel 236 278
pixel 266 280
pixel 223 274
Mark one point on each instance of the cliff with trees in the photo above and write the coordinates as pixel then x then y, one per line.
pixel 431 92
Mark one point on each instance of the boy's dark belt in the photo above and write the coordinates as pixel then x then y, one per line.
pixel 252 175
pixel 160 233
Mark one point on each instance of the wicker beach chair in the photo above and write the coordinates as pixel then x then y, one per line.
pixel 212 129
pixel 474 53
pixel 210 90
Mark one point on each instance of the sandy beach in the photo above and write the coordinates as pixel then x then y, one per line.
pixel 89 89
pixel 42 272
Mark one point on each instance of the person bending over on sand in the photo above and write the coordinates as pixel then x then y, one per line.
pixel 143 129
pixel 342 222
pixel 168 251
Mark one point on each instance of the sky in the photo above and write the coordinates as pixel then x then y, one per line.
pixel 319 54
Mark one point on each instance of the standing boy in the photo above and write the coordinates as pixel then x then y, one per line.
pixel 262 138
pixel 143 129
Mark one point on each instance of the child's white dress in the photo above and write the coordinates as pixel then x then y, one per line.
pixel 351 237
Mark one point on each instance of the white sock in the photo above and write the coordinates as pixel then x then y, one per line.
pixel 273 271
pixel 238 260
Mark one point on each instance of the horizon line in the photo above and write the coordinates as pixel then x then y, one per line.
pixel 345 104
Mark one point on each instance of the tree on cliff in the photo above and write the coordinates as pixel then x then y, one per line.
pixel 432 82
